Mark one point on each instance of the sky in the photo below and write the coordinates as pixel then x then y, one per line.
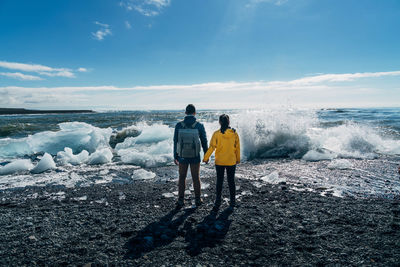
pixel 164 54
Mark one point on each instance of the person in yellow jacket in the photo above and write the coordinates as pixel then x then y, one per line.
pixel 226 144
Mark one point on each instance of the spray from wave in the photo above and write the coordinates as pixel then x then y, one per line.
pixel 263 134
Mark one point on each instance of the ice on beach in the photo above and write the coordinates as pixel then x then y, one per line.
pixel 202 185
pixel 121 196
pixel 334 192
pixel 246 193
pixel 153 147
pixel 314 155
pixel 67 157
pixel 149 134
pixel 18 165
pixel 46 163
pixel 273 178
pixel 151 158
pixel 101 201
pixel 60 195
pixel 72 180
pixel 101 156
pixel 82 198
pixel 142 174
pixel 257 184
pixel 76 135
pixel 168 195
pixel 340 164
pixel 187 192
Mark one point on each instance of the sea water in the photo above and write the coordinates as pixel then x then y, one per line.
pixel 75 149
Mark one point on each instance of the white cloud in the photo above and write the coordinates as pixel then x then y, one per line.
pixel 333 89
pixel 318 82
pixel 346 77
pixel 102 32
pixel 82 70
pixel 274 2
pixel 128 25
pixel 40 69
pixel 65 73
pixel 147 8
pixel 21 76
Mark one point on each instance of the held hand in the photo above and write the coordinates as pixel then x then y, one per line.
pixel 205 161
pixel 176 162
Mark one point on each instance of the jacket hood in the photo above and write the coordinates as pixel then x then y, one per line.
pixel 229 133
pixel 189 119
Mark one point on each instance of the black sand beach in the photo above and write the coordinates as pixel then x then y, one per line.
pixel 135 225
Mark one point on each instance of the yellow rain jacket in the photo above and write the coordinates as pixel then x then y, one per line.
pixel 226 146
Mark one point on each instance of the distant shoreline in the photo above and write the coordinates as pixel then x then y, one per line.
pixel 16 111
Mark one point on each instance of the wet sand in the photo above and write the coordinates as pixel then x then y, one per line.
pixel 135 225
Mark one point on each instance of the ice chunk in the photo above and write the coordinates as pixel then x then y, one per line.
pixel 83 198
pixel 148 155
pixel 340 164
pixel 203 186
pixel 273 178
pixel 246 193
pixel 67 157
pixel 153 147
pixel 17 166
pixel 142 174
pixel 315 155
pixel 149 134
pixel 46 163
pixel 121 196
pixel 257 184
pixel 168 195
pixel 101 156
pixel 76 135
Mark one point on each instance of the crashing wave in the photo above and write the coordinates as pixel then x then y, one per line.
pixel 263 134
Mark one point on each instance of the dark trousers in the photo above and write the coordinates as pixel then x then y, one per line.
pixel 195 171
pixel 230 173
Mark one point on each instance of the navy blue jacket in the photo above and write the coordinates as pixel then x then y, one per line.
pixel 189 120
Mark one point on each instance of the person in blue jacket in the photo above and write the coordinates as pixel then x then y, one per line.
pixel 189 124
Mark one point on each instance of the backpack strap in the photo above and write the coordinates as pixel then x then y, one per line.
pixel 184 126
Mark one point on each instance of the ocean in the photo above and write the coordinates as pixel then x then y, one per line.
pixel 344 152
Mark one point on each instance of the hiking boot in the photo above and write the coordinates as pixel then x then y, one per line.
pixel 217 204
pixel 179 204
pixel 198 202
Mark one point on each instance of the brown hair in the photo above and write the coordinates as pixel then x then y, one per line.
pixel 224 121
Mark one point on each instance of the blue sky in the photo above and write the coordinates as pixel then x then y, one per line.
pixel 157 54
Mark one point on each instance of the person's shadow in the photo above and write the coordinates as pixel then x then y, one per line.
pixel 208 233
pixel 157 234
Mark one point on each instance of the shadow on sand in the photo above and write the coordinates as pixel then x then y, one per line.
pixel 211 231
pixel 157 234
pixel 208 233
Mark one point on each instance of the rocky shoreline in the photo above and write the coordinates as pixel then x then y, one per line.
pixel 136 225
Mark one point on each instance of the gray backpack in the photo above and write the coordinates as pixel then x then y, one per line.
pixel 188 141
